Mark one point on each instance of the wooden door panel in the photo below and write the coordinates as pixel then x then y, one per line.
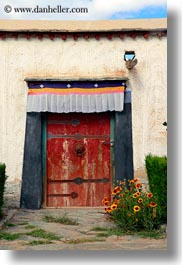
pixel 78 159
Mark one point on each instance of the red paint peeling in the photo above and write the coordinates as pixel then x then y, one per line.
pixel 64 165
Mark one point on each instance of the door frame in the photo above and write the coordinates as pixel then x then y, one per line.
pixel 44 154
pixel 44 158
pixel 33 184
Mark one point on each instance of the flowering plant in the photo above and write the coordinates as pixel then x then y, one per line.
pixel 132 208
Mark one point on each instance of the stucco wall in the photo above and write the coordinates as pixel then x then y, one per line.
pixel 23 58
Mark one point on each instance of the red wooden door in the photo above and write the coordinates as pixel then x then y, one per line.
pixel 78 159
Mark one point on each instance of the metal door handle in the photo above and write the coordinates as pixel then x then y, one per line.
pixel 111 143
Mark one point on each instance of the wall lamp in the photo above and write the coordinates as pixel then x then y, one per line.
pixel 130 60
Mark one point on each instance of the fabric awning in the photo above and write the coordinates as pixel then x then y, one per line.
pixel 85 97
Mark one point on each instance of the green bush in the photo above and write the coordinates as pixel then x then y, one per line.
pixel 133 209
pixel 157 175
pixel 3 178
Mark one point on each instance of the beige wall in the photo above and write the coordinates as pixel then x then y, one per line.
pixel 21 58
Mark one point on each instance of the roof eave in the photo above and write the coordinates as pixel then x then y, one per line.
pixel 83 26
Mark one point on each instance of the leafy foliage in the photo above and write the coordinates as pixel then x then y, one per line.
pixel 157 174
pixel 43 234
pixel 133 209
pixel 60 219
pixel 8 236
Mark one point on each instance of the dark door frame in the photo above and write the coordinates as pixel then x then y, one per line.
pixel 34 167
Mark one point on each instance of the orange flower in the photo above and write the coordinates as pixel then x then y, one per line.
pixel 138 185
pixel 136 180
pixel 108 210
pixel 136 208
pixel 116 190
pixel 121 195
pixel 140 200
pixel 105 201
pixel 131 181
pixel 149 195
pixel 113 206
pixel 136 194
pixel 153 204
pixel 122 183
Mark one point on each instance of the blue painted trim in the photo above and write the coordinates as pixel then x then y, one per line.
pixel 127 96
pixel 112 139
pixel 32 182
pixel 78 84
pixel 44 156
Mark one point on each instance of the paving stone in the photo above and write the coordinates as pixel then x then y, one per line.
pixel 87 219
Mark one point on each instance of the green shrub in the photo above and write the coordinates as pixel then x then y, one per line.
pixel 133 209
pixel 157 175
pixel 3 178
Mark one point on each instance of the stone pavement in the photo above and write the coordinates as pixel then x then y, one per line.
pixel 72 237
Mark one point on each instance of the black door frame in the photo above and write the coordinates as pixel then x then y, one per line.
pixel 34 170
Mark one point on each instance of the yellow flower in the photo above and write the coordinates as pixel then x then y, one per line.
pixel 132 181
pixel 136 180
pixel 136 208
pixel 122 183
pixel 139 185
pixel 136 194
pixel 113 206
pixel 105 201
pixel 140 200
pixel 108 210
pixel 149 195
pixel 153 204
pixel 116 190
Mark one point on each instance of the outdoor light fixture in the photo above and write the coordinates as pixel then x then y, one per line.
pixel 130 60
